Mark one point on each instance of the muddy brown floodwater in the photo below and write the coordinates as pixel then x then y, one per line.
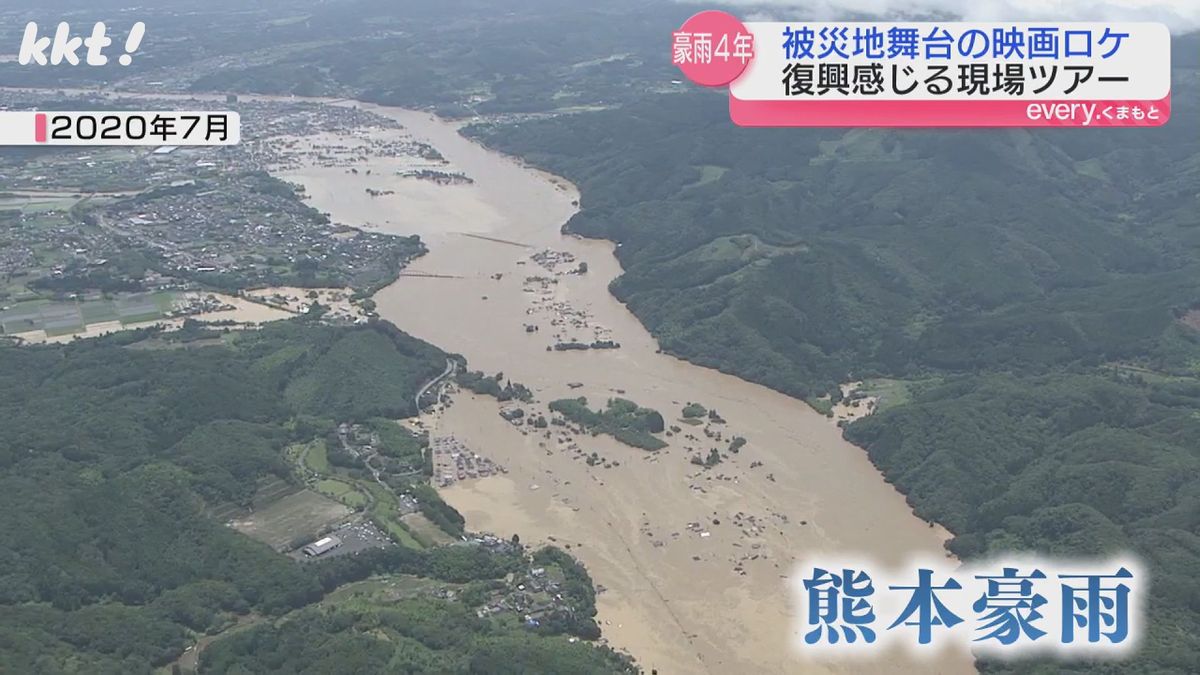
pixel 712 597
pixel 694 564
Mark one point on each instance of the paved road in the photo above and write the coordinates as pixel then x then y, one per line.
pixel 451 366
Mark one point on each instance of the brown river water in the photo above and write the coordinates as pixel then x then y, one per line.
pixel 672 597
pixel 695 565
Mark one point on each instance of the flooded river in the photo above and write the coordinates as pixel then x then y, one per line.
pixel 712 599
pixel 694 564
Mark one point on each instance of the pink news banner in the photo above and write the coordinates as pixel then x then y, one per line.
pixel 931 74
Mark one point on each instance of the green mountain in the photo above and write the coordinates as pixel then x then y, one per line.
pixel 119 452
pixel 799 258
pixel 1025 300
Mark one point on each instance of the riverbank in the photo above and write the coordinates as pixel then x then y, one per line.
pixel 695 564
pixel 679 601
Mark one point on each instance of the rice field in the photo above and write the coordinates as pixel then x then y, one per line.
pixel 63 318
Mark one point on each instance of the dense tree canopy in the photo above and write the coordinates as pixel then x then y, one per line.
pixel 1023 274
pixel 1049 280
pixel 111 457
pixel 411 636
pixel 117 449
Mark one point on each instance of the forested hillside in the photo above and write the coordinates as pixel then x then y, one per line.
pixel 1015 289
pixel 413 636
pixel 115 452
pixel 109 459
pixel 1031 294
pixel 377 626
pixel 816 255
pixel 1065 464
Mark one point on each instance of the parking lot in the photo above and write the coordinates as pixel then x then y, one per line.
pixel 355 537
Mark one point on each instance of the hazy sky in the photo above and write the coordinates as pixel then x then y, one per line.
pixel 1180 15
